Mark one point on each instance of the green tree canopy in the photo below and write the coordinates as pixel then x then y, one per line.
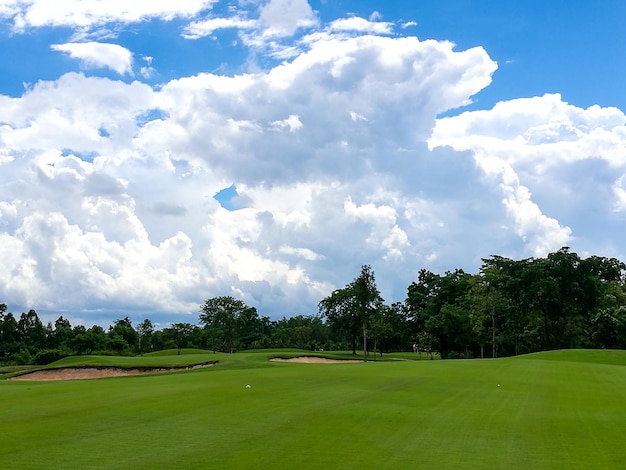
pixel 227 320
pixel 352 308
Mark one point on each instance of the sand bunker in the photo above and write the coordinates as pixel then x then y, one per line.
pixel 315 360
pixel 80 373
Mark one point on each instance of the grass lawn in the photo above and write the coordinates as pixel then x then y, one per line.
pixel 563 409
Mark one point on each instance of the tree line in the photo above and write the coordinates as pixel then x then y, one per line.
pixel 509 307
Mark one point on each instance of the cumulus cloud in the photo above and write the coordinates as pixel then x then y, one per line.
pixel 108 200
pixel 556 164
pixel 123 178
pixel 99 55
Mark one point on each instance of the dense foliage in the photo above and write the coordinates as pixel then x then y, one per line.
pixel 510 307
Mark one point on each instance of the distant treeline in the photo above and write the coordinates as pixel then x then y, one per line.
pixel 510 307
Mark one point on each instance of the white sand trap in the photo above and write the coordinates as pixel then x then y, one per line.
pixel 315 360
pixel 81 373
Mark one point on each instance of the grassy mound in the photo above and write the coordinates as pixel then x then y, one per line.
pixel 175 352
pixel 592 356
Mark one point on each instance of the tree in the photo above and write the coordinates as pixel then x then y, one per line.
pixel 299 331
pixel 486 305
pixel 353 307
pixel 122 336
pixel 249 328
pixel 422 300
pixel 451 329
pixel 31 331
pixel 9 336
pixel 608 324
pixel 340 312
pixel 183 334
pixel 384 325
pixel 551 302
pixel 220 317
pixel 368 300
pixel 513 284
pixel 438 306
pixel 145 330
pixel 62 334
pixel 88 341
pixel 608 328
pixel 424 342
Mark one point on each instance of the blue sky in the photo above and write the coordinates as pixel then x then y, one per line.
pixel 567 47
pixel 404 135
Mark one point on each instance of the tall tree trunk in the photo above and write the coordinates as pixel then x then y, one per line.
pixel 364 343
pixel 493 333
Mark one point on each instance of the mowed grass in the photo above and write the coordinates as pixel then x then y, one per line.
pixel 560 410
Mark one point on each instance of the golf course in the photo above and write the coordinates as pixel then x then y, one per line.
pixel 559 409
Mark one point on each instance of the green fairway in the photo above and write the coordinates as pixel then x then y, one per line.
pixel 551 410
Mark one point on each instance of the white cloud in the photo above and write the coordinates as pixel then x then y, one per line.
pixel 83 266
pixel 385 234
pixel 305 253
pixel 541 234
pixel 567 156
pixel 124 175
pixel 370 212
pixel 269 30
pixel 361 25
pixel 70 114
pixel 620 195
pixel 337 153
pixel 147 72
pixel 292 123
pixel 91 13
pixel 357 117
pixel 198 29
pixel 9 8
pixel 395 243
pixel 285 17
pixel 99 55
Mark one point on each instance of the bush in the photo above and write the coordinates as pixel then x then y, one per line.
pixel 48 356
pixel 110 352
pixel 23 357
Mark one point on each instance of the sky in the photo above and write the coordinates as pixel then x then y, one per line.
pixel 157 154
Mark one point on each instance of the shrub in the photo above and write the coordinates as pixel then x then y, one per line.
pixel 48 356
pixel 23 357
